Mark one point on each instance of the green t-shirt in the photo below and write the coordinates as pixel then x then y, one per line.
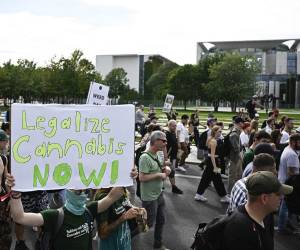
pixel 74 232
pixel 248 157
pixel 150 190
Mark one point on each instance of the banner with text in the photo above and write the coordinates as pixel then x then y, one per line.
pixel 168 103
pixel 71 146
pixel 98 94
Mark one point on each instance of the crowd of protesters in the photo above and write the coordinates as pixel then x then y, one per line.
pixel 248 155
pixel 261 150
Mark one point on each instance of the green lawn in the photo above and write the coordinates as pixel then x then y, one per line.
pixel 226 117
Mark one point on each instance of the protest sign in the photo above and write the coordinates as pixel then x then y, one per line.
pixel 97 94
pixel 168 103
pixel 71 146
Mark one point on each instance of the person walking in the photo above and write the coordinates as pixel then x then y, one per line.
pixel 151 176
pixel 212 171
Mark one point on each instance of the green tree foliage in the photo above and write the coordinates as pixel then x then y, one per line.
pixel 117 82
pixel 64 80
pixel 184 83
pixel 232 79
pixel 157 87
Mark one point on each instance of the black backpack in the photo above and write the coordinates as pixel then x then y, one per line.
pixel 207 233
pixel 202 140
pixel 226 146
pixel 293 199
pixel 137 157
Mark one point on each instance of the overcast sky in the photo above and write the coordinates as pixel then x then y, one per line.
pixel 41 29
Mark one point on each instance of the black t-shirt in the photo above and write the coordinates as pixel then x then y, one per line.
pixel 172 146
pixel 242 232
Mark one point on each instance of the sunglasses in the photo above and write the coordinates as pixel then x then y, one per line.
pixel 163 140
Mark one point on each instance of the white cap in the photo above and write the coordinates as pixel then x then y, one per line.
pixel 256 115
pixel 298 130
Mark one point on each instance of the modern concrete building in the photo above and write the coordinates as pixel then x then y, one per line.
pixel 133 65
pixel 280 65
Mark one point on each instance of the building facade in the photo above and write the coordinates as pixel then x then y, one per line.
pixel 133 65
pixel 279 61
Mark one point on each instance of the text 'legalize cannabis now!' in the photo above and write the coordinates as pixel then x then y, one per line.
pixel 71 146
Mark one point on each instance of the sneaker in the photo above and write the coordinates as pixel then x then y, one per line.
pixel 225 199
pixel 20 245
pixel 162 247
pixel 176 190
pixel 199 197
pixel 181 168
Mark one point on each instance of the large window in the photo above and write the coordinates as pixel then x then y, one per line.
pixel 292 63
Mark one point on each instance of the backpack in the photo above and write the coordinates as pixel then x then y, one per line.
pixel 46 240
pixel 207 233
pixel 138 183
pixel 226 146
pixel 202 140
pixel 293 199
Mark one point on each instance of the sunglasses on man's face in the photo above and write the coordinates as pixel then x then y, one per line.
pixel 163 140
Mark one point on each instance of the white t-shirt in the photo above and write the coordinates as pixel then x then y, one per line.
pixel 183 133
pixel 268 129
pixel 244 139
pixel 285 137
pixel 289 158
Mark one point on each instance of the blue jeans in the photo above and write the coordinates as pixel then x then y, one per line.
pixel 156 213
pixel 283 215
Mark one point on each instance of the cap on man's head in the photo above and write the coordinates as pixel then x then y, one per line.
pixel 265 182
pixel 254 97
pixel 256 115
pixel 3 136
pixel 238 120
pixel 263 148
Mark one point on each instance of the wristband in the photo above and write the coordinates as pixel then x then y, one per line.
pixel 4 197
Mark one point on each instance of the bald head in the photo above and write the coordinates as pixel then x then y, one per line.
pixel 172 125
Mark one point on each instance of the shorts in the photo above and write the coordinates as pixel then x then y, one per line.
pixel 35 202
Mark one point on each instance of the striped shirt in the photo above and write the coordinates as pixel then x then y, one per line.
pixel 238 195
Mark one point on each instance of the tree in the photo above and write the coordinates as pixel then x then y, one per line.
pixel 183 83
pixel 157 87
pixel 232 79
pixel 117 82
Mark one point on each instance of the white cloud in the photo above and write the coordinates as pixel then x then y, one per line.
pixel 170 28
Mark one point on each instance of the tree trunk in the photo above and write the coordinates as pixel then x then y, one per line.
pixel 233 105
pixel 184 102
pixel 216 106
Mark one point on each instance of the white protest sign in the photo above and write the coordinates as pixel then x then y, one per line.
pixel 71 146
pixel 168 103
pixel 98 94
